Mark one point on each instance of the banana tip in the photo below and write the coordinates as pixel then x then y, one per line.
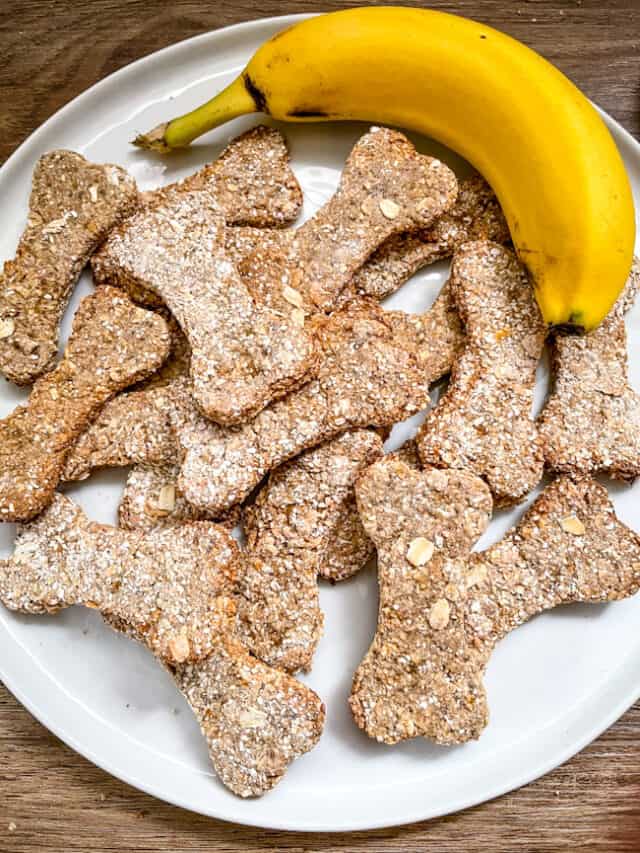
pixel 154 140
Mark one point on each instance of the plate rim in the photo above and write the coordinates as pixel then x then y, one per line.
pixel 230 811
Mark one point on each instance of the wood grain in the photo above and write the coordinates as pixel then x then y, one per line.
pixel 51 799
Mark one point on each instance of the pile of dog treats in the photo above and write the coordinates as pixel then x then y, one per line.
pixel 246 371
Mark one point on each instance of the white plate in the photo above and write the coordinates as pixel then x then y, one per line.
pixel 553 685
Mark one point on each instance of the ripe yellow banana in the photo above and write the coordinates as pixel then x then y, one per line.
pixel 523 125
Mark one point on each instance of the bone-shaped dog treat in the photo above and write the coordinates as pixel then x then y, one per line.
pixel 113 344
pixel 386 188
pixel 442 611
pixel 591 422
pixel 133 428
pixel 73 205
pixel 169 590
pixel 484 421
pixel 172 590
pixel 293 535
pixel 243 354
pixel 256 719
pixel 251 182
pixel 151 499
pixel 371 373
pixel 476 215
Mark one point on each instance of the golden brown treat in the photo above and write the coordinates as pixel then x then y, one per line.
pixel 170 590
pixel 591 422
pixel 476 215
pixel 483 423
pixel 72 207
pixel 251 183
pixel 293 535
pixel 371 373
pixel 256 719
pixel 177 364
pixel 173 590
pixel 442 609
pixel 242 353
pixel 242 241
pixel 113 344
pixel 151 499
pixel 386 188
pixel 133 428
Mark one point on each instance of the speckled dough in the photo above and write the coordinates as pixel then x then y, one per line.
pixel 151 499
pixel 170 590
pixel 113 344
pixel 243 354
pixel 483 422
pixel 256 720
pixel 591 422
pixel 72 207
pixel 133 428
pixel 386 188
pixel 442 610
pixel 476 215
pixel 251 182
pixel 295 531
pixel 173 590
pixel 373 372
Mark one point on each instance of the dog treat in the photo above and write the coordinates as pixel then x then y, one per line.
pixel 371 373
pixel 177 365
pixel 251 183
pixel 173 591
pixel 442 609
pixel 151 499
pixel 242 353
pixel 386 188
pixel 256 720
pixel 294 534
pixel 243 240
pixel 483 422
pixel 170 590
pixel 251 180
pixel 133 428
pixel 591 422
pixel 476 215
pixel 113 344
pixel 72 207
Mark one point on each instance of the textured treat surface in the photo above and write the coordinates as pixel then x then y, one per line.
pixel 484 423
pixel 442 609
pixel 72 207
pixel 303 523
pixel 112 345
pixel 591 422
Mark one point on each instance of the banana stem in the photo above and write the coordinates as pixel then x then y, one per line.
pixel 234 101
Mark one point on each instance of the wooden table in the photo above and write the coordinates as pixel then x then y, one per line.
pixel 52 799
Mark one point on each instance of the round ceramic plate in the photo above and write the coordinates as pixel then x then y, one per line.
pixel 553 685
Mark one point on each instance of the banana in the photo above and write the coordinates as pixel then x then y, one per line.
pixel 532 134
